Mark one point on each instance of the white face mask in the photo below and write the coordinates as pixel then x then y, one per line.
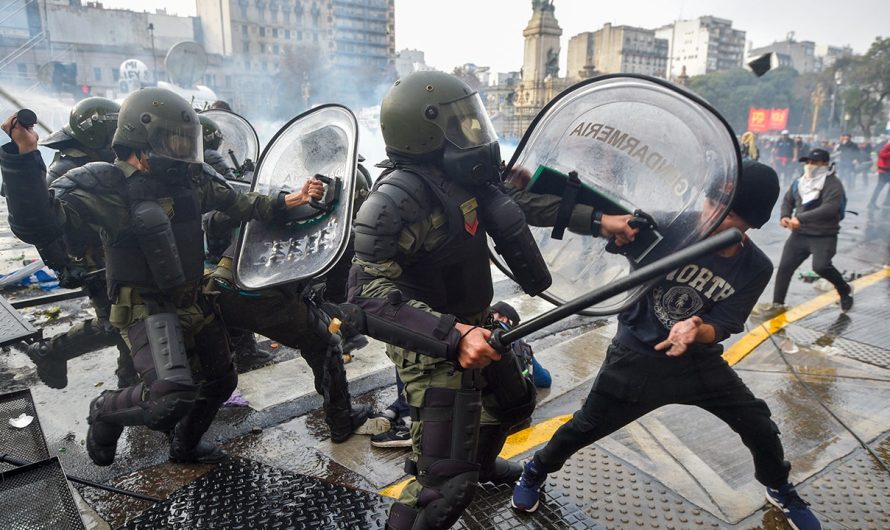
pixel 812 171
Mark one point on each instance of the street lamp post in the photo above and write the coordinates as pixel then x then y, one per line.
pixel 154 56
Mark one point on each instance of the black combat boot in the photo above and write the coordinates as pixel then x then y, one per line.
pixel 51 369
pixel 102 436
pixel 492 468
pixel 344 422
pixel 245 351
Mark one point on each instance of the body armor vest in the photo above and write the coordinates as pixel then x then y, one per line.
pixel 126 263
pixel 455 276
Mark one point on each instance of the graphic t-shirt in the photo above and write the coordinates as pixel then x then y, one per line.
pixel 720 290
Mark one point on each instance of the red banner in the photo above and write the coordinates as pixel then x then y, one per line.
pixel 763 120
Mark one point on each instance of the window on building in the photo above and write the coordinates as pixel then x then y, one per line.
pixel 287 34
pixel 22 68
pixel 97 73
pixel 275 33
pixel 262 31
pixel 299 35
pixel 246 46
pixel 244 29
pixel 115 74
pixel 276 50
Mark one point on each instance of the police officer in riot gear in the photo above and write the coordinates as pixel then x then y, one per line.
pixel 213 138
pixel 147 209
pixel 244 346
pixel 77 257
pixel 422 278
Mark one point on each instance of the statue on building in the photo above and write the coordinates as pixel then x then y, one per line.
pixel 542 5
pixel 551 67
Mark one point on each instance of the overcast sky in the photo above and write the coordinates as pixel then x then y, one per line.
pixel 489 32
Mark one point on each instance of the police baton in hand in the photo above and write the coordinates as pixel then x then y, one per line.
pixel 500 340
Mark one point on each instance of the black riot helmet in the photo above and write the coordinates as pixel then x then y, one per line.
pixel 162 123
pixel 92 123
pixel 436 116
pixel 212 135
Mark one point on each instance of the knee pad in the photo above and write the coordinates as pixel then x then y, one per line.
pixel 447 467
pixel 448 488
pixel 167 403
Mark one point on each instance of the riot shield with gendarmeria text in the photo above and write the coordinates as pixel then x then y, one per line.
pixel 320 143
pixel 634 142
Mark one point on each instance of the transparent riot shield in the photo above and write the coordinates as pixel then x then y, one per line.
pixel 634 142
pixel 322 142
pixel 240 144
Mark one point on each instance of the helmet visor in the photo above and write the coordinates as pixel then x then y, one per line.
pixel 183 143
pixel 466 123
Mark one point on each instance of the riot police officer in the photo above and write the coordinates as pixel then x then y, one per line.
pixel 422 277
pixel 147 209
pixel 213 138
pixel 77 257
pixel 244 346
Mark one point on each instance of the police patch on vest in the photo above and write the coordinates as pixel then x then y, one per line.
pixel 471 220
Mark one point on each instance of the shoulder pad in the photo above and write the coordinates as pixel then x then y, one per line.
pixel 95 175
pixel 408 192
pixel 62 165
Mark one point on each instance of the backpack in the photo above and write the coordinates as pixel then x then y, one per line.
pixel 843 198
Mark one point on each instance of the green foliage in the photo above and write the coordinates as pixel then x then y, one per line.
pixel 865 87
pixel 733 92
pixel 862 95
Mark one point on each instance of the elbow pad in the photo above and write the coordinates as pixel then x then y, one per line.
pixel 513 240
pixel 395 322
pixel 153 231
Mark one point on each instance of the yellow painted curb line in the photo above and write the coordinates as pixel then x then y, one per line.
pixel 540 433
pixel 756 336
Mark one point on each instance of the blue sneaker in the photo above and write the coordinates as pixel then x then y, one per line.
pixel 796 510
pixel 527 491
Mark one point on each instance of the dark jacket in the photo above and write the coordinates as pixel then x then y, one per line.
pixel 823 217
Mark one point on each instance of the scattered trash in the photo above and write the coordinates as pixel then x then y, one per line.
pixel 51 313
pixel 22 421
pixel 62 450
pixel 808 276
pixel 100 383
pixel 70 437
pixel 274 345
pixel 236 400
pixel 347 358
pixel 22 273
pixel 823 285
pixel 256 430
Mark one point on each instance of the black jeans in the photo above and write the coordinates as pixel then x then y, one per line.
pixel 630 385
pixel 797 249
pixel 883 180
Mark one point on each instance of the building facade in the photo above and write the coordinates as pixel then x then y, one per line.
pixel 702 45
pixel 614 49
pixel 70 47
pixel 798 55
pixel 290 54
pixel 539 78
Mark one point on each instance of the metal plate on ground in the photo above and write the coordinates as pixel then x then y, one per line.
pixel 13 326
pixel 867 324
pixel 853 493
pixel 37 496
pixel 620 496
pixel 491 509
pixel 247 494
pixel 24 443
pixel 833 344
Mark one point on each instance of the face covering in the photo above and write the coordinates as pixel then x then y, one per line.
pixel 811 183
